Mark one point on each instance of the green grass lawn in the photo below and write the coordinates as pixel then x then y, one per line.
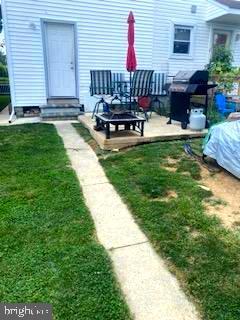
pixel 48 248
pixel 4 101
pixel 161 187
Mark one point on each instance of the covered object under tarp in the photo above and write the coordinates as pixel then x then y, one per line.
pixel 223 145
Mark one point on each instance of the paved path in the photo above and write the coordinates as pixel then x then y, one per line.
pixel 4 116
pixel 151 291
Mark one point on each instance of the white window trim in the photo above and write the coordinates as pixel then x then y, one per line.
pixel 182 56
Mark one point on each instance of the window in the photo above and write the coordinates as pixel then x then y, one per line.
pixel 182 40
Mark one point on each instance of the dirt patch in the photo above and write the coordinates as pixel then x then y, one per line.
pixel 195 234
pixel 172 161
pixel 170 165
pixel 171 169
pixel 93 144
pixel 168 197
pixel 226 194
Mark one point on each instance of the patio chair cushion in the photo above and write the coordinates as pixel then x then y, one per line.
pixel 144 102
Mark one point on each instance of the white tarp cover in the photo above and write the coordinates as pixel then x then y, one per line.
pixel 224 146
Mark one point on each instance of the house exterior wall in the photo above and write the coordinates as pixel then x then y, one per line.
pixel 236 46
pixel 101 38
pixel 179 13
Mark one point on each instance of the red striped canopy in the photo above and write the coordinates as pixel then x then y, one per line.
pixel 131 62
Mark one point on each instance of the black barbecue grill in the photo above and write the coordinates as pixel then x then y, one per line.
pixel 185 85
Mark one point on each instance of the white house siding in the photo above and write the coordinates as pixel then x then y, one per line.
pixel 236 46
pixel 179 12
pixel 102 39
pixel 216 10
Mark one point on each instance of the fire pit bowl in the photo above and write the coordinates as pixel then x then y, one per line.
pixel 127 119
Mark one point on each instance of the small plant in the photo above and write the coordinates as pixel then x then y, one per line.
pixel 213 115
pixel 221 69
pixel 221 60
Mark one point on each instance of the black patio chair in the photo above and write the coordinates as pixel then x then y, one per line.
pixel 141 87
pixel 101 85
pixel 119 83
pixel 159 91
pixel 158 84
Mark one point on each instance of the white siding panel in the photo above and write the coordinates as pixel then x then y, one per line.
pixel 179 12
pixel 102 39
pixel 236 46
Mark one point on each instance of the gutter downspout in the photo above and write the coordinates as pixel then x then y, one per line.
pixel 9 59
pixel 12 115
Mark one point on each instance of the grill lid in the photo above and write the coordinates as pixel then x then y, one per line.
pixel 192 77
pixel 191 88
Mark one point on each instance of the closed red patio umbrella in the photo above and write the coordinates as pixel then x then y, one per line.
pixel 131 63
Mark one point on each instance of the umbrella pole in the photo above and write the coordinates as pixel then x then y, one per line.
pixel 131 91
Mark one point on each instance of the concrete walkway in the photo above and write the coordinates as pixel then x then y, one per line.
pixel 151 291
pixel 4 117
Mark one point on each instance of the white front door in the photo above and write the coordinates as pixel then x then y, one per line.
pixel 61 59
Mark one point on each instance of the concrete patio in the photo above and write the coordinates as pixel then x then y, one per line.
pixel 155 130
pixel 4 117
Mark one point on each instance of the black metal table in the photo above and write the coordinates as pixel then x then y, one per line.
pixel 129 120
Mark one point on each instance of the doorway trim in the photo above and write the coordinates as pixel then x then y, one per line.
pixel 44 23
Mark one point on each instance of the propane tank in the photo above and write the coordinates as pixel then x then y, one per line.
pixel 197 119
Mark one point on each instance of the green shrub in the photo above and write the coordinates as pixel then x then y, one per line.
pixel 221 69
pixel 214 116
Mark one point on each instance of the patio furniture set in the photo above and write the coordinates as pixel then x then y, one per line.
pixel 129 98
pixel 122 100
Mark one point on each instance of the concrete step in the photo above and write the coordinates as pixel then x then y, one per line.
pixel 62 101
pixel 60 112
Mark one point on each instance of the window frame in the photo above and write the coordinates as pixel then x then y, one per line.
pixel 191 41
